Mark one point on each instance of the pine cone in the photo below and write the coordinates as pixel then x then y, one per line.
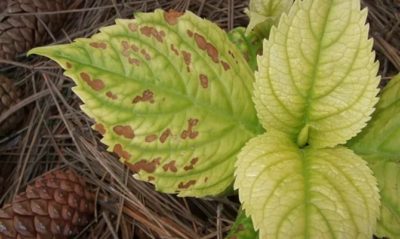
pixel 3 5
pixel 9 96
pixel 56 205
pixel 18 34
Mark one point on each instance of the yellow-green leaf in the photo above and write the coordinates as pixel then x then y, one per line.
pixel 387 173
pixel 164 89
pixel 318 71
pixel 263 14
pixel 306 193
pixel 381 137
pixel 379 144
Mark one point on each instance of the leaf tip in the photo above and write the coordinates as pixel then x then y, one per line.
pixel 37 51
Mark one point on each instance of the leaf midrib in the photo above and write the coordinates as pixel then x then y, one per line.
pixel 313 78
pixel 306 175
pixel 248 126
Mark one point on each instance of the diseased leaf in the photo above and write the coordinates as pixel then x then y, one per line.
pixel 381 137
pixel 164 89
pixel 379 144
pixel 305 193
pixel 263 14
pixel 242 228
pixel 318 73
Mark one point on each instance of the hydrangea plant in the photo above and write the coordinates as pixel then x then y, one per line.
pixel 180 105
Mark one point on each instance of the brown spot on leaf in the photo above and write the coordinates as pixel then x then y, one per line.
pixel 173 48
pixel 152 32
pixel 187 57
pixel 206 46
pixel 205 179
pixel 188 167
pixel 193 135
pixel 134 48
pixel 112 96
pixel 147 96
pixel 125 48
pixel 69 66
pixel 189 132
pixel 203 81
pixel 194 160
pixel 132 26
pixel 85 76
pixel 172 16
pixel 165 135
pixel 120 152
pixel 184 134
pixel 148 167
pixel 170 166
pixel 145 54
pixel 99 45
pixel 94 84
pixel 125 45
pixel 97 84
pixel 225 65
pixel 134 61
pixel 200 41
pixel 190 33
pixel 150 178
pixel 125 131
pixel 150 138
pixel 100 128
pixel 212 52
pixel 147 31
pixel 191 165
pixel 186 185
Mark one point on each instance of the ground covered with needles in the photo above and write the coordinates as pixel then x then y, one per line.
pixel 54 132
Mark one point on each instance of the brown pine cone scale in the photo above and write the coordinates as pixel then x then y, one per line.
pixel 57 205
pixel 20 33
pixel 9 96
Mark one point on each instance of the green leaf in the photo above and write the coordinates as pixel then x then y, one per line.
pixel 382 135
pixel 379 144
pixel 263 14
pixel 318 72
pixel 247 44
pixel 242 228
pixel 388 175
pixel 164 89
pixel 305 193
